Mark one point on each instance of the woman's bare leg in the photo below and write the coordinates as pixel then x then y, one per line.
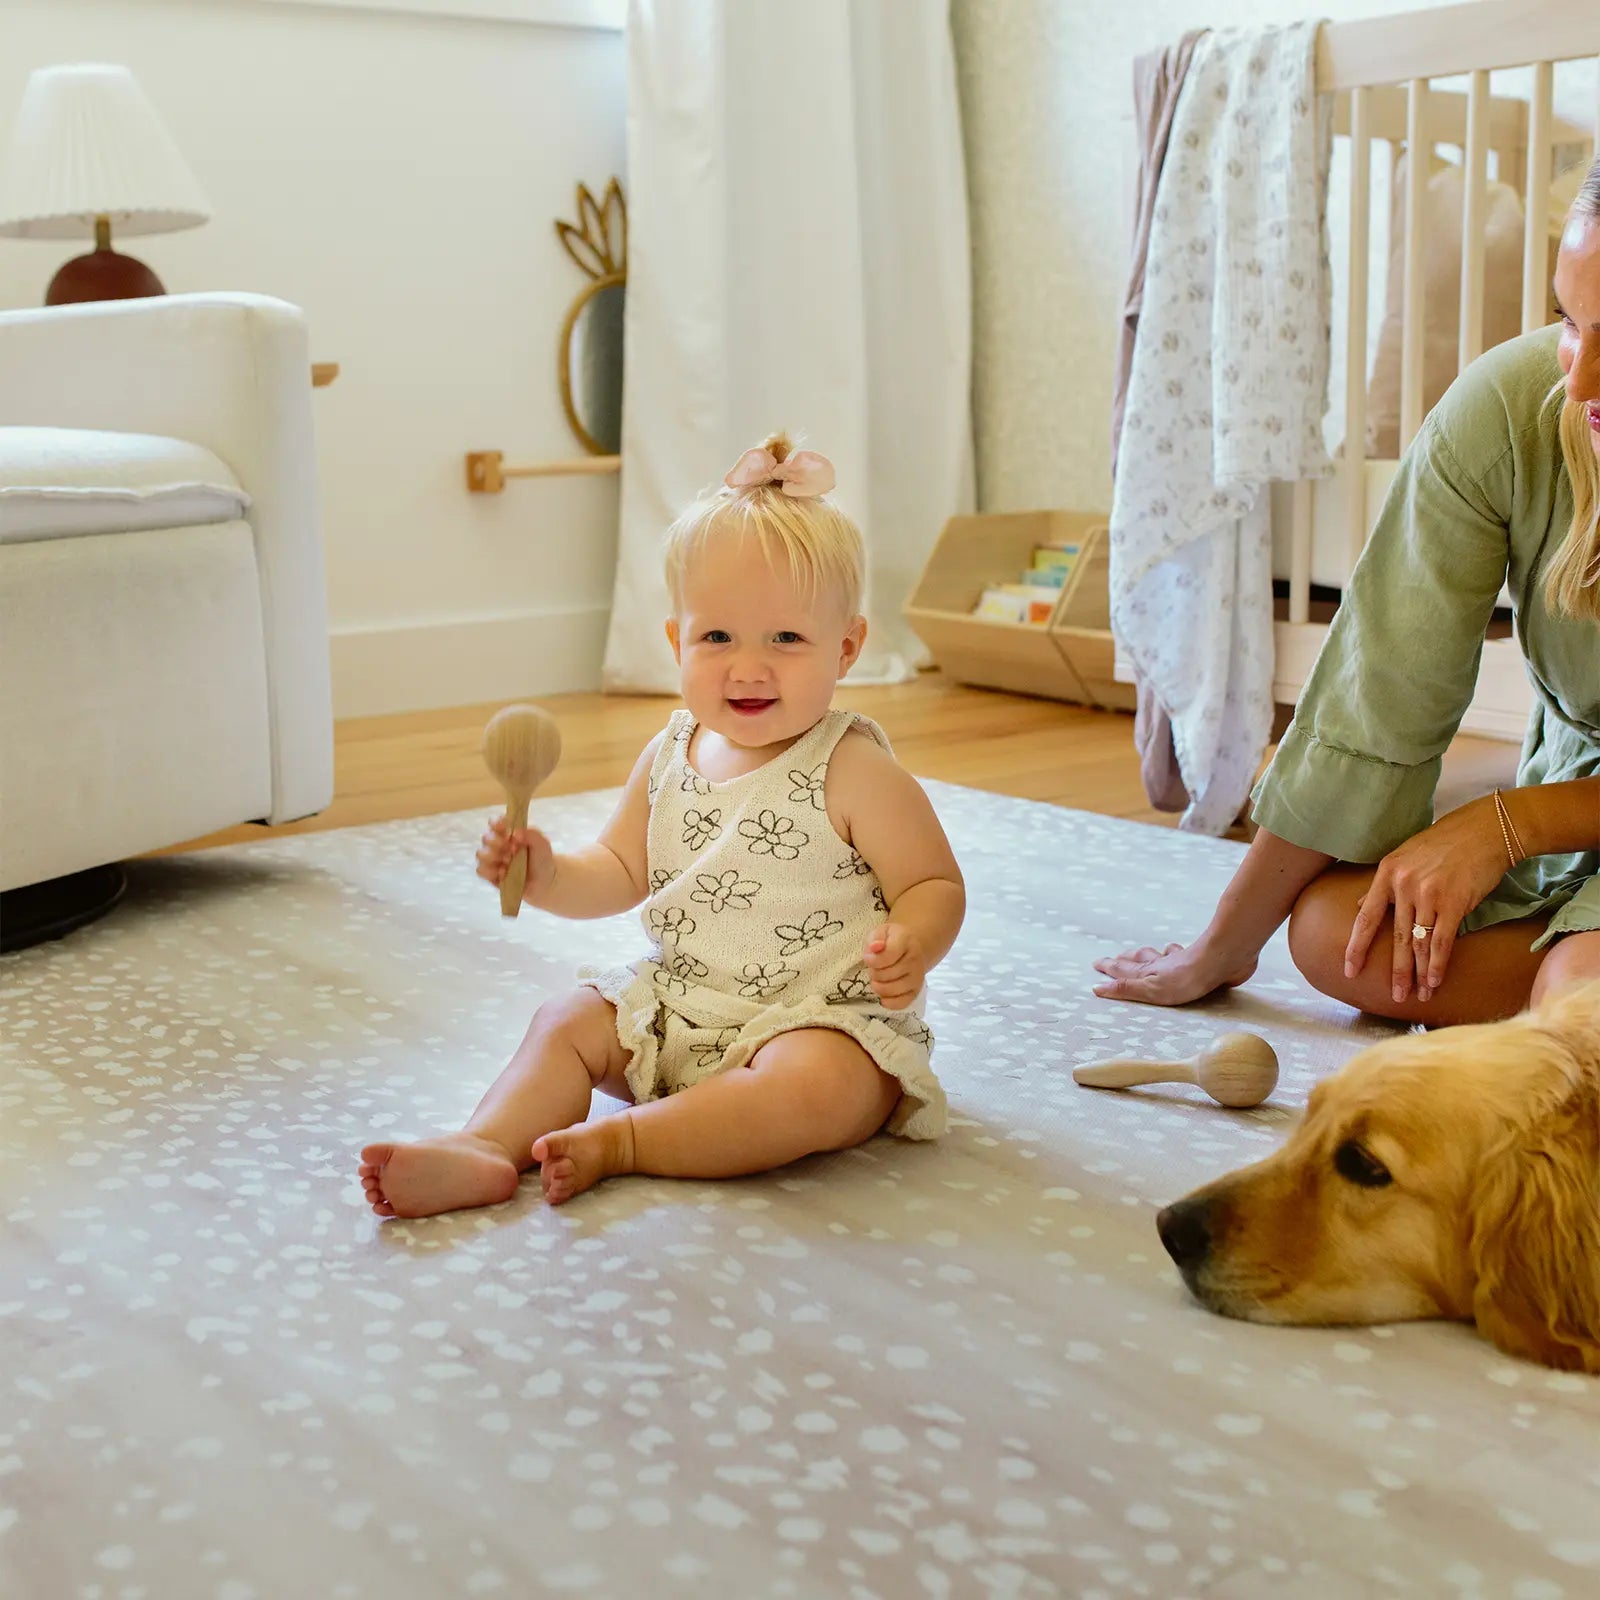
pixel 1491 974
pixel 810 1090
pixel 1573 958
pixel 569 1050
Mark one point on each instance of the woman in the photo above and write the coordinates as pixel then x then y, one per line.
pixel 1495 904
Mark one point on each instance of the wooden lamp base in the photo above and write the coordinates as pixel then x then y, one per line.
pixel 102 275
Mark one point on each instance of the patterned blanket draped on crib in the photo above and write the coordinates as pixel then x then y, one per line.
pixel 1227 392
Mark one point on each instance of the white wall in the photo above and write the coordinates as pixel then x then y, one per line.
pixel 397 176
pixel 1047 98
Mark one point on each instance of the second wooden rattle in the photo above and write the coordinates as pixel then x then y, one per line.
pixel 521 747
pixel 1236 1069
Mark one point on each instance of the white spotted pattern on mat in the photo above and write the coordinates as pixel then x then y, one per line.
pixel 947 1370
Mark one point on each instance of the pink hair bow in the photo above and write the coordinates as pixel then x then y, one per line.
pixel 805 474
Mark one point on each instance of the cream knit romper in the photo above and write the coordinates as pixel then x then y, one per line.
pixel 758 917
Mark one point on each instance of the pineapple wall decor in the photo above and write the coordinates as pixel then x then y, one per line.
pixel 590 354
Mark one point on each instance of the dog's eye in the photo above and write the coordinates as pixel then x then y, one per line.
pixel 1359 1165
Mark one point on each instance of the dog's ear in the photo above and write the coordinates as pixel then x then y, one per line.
pixel 1535 1238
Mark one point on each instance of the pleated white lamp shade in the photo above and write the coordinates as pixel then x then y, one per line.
pixel 87 144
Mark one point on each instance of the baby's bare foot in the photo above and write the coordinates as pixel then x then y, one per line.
pixel 573 1159
pixel 449 1173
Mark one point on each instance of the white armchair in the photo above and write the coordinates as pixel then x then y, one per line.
pixel 163 618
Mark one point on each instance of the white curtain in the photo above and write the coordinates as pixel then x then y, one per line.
pixel 797 259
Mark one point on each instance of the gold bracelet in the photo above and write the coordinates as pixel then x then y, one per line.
pixel 1516 838
pixel 1508 831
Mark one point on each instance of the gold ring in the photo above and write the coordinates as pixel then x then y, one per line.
pixel 1419 933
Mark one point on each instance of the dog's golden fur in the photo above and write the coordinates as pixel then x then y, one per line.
pixel 1489 1138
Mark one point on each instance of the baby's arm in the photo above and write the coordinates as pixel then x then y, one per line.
pixel 891 824
pixel 597 880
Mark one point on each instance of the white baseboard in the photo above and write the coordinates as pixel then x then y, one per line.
pixel 377 671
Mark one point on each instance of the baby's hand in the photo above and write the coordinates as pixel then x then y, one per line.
pixel 896 965
pixel 499 845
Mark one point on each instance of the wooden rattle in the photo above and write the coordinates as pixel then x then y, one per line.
pixel 1235 1069
pixel 521 747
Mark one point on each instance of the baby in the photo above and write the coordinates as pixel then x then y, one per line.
pixel 796 886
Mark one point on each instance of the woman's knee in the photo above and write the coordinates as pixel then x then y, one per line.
pixel 1572 959
pixel 1319 931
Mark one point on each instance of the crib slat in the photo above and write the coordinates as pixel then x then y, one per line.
pixel 1300 553
pixel 1355 362
pixel 1513 160
pixel 1536 225
pixel 1419 155
pixel 1447 118
pixel 1475 154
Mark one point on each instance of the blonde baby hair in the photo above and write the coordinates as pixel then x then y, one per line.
pixel 1572 585
pixel 819 546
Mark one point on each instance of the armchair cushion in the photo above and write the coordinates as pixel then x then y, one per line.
pixel 64 482
pixel 157 683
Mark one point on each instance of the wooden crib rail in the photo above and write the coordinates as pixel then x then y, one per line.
pixel 1449 40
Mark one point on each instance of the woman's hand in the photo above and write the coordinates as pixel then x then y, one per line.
pixel 1432 881
pixel 498 846
pixel 1170 977
pixel 1259 896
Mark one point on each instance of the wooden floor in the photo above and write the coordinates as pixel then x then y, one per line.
pixel 423 762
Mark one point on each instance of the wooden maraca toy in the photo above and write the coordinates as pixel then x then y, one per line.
pixel 1235 1069
pixel 521 747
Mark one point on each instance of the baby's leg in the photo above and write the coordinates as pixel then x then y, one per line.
pixel 810 1090
pixel 570 1049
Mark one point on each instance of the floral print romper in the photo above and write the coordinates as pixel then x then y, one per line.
pixel 758 916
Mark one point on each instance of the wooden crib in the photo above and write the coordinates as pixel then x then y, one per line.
pixel 1381 72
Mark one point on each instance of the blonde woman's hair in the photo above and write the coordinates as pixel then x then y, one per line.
pixel 1572 585
pixel 818 545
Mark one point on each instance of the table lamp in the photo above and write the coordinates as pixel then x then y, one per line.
pixel 89 151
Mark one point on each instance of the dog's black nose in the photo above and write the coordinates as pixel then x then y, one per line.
pixel 1185 1233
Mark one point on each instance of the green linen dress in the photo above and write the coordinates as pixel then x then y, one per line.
pixel 1481 498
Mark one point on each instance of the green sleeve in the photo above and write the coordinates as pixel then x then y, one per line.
pixel 1355 773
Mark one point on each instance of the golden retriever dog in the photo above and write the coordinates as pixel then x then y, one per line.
pixel 1447 1174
